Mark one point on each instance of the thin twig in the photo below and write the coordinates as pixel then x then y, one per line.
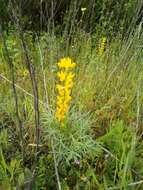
pixel 21 89
pixel 31 70
pixel 138 103
pixel 44 76
pixel 55 165
pixel 11 66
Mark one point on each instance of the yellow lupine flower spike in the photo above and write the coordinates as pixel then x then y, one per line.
pixel 64 88
pixel 102 46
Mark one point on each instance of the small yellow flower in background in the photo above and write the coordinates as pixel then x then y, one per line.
pixel 25 72
pixel 64 88
pixel 83 9
pixel 102 46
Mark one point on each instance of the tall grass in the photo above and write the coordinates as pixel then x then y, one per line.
pixel 100 146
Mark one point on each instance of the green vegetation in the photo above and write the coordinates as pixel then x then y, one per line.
pixel 100 145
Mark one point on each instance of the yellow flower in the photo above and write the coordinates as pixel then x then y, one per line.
pixel 67 98
pixel 59 100
pixel 61 75
pixel 68 85
pixel 70 76
pixel 64 88
pixel 25 73
pixel 102 46
pixel 103 39
pixel 83 9
pixel 66 63
pixel 59 87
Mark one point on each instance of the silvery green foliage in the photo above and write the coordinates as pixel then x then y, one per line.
pixel 73 141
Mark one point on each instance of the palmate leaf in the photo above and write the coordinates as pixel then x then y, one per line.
pixel 72 143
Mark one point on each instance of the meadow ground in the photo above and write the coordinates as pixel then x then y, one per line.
pixel 100 145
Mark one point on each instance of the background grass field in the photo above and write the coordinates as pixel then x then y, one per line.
pixel 100 146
